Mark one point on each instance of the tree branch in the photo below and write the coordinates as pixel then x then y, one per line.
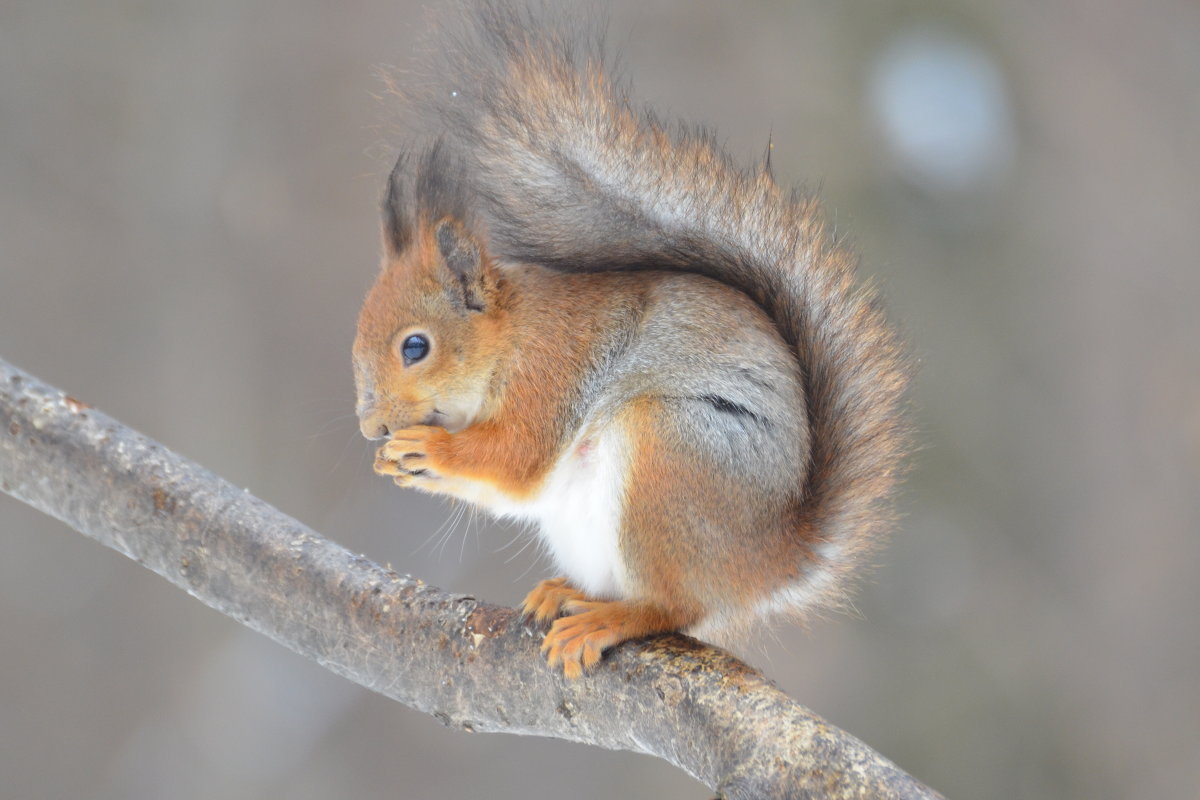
pixel 471 665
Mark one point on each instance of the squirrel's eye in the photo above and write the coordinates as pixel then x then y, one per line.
pixel 415 348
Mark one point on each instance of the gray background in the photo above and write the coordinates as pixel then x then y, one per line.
pixel 188 223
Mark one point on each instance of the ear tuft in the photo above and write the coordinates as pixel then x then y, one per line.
pixel 462 257
pixel 397 226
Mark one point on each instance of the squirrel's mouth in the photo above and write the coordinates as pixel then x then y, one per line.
pixel 452 421
pixel 435 417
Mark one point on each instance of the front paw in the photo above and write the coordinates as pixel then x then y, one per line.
pixel 413 455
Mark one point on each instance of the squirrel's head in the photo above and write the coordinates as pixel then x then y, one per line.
pixel 430 330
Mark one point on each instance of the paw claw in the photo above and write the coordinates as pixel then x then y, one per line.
pixel 409 454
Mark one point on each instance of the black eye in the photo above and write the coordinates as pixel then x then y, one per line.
pixel 415 348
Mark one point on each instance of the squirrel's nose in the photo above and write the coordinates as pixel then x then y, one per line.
pixel 373 428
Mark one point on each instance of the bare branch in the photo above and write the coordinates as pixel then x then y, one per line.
pixel 472 665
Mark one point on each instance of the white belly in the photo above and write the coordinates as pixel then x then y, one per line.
pixel 578 512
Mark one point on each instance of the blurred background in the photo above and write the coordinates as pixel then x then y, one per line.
pixel 188 222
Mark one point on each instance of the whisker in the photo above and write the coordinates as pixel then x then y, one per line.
pixel 450 519
pixel 345 448
pixel 328 425
pixel 522 549
pixel 450 531
pixel 533 562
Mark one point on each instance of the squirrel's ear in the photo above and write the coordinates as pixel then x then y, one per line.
pixel 466 262
pixel 397 227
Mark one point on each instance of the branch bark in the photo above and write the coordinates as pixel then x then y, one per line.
pixel 472 665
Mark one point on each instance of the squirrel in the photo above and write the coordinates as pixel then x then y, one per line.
pixel 594 321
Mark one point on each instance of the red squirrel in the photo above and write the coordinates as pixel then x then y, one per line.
pixel 595 322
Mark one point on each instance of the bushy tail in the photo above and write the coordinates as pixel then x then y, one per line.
pixel 572 175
